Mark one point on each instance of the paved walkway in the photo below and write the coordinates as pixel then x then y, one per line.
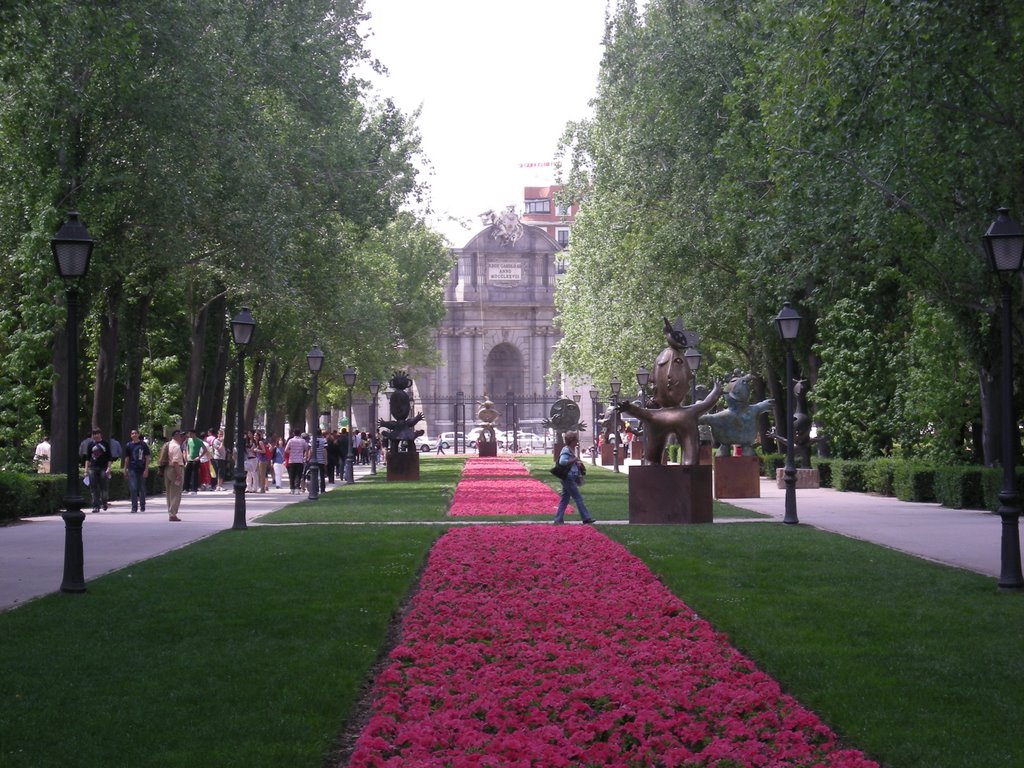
pixel 32 551
pixel 962 538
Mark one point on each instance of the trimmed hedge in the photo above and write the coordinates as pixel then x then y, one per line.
pixel 849 476
pixel 32 495
pixel 771 462
pixel 961 487
pixel 914 482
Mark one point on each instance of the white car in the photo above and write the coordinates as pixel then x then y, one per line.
pixel 426 444
pixel 448 439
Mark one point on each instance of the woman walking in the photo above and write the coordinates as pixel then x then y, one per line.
pixel 570 483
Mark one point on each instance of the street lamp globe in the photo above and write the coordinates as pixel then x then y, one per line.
pixel 72 246
pixel 315 359
pixel 1004 243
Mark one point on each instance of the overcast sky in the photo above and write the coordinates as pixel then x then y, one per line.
pixel 497 81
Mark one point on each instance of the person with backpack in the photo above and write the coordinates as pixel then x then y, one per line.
pixel 97 456
pixel 135 463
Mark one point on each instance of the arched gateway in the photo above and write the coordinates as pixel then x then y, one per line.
pixel 499 331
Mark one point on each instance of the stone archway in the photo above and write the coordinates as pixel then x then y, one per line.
pixel 504 371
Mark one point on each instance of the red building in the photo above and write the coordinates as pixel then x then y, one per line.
pixel 541 210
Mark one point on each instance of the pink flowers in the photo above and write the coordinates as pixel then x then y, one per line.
pixel 544 646
pixel 500 487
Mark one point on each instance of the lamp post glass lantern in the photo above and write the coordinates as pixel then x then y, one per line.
pixel 692 357
pixel 72 247
pixel 242 327
pixel 616 387
pixel 314 361
pixel 787 323
pixel 350 381
pixel 1004 253
pixel 374 391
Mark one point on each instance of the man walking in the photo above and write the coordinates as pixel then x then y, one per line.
pixel 195 448
pixel 97 465
pixel 172 466
pixel 135 463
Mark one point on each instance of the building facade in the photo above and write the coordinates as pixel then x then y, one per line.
pixel 499 332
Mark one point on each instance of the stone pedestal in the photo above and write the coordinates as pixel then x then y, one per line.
pixel 487 449
pixel 608 457
pixel 674 495
pixel 805 478
pixel 403 467
pixel 737 477
pixel 636 450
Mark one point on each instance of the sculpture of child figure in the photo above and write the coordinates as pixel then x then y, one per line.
pixel 737 424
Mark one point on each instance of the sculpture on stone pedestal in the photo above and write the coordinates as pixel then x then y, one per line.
pixel 737 424
pixel 802 440
pixel 488 416
pixel 671 376
pixel 402 432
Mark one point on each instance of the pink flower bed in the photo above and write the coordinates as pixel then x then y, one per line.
pixel 548 647
pixel 498 496
pixel 493 467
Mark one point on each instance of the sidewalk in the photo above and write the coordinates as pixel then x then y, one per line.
pixel 32 551
pixel 962 538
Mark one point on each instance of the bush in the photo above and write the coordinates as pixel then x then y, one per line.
pixel 848 475
pixel 879 476
pixel 771 462
pixel 16 495
pixel 960 487
pixel 914 482
pixel 824 467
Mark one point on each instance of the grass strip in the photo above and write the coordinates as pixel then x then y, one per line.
pixel 372 499
pixel 245 649
pixel 916 663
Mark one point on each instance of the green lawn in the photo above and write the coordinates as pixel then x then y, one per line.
pixel 250 648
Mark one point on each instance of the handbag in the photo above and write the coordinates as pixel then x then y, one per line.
pixel 561 471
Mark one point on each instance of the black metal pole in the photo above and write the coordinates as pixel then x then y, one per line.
pixel 314 442
pixel 1010 577
pixel 74 559
pixel 349 478
pixel 615 433
pixel 789 473
pixel 373 435
pixel 593 455
pixel 239 522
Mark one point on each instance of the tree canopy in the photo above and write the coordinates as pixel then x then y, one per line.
pixel 842 155
pixel 221 154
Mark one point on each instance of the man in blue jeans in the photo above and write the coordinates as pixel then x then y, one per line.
pixel 96 451
pixel 570 483
pixel 135 462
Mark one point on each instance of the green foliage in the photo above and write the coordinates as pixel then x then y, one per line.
pixel 914 482
pixel 879 476
pixel 849 475
pixel 960 487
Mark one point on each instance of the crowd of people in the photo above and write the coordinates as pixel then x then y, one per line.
pixel 205 461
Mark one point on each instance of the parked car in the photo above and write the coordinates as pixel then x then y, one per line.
pixel 426 444
pixel 448 439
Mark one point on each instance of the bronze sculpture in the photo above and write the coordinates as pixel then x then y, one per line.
pixel 402 433
pixel 737 424
pixel 671 376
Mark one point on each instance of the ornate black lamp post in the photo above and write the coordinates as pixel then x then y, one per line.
pixel 242 327
pixel 1004 252
pixel 642 377
pixel 594 394
pixel 787 322
pixel 692 356
pixel 315 361
pixel 374 390
pixel 72 247
pixel 350 381
pixel 616 386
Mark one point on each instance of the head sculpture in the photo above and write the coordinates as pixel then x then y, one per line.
pixel 400 403
pixel 671 378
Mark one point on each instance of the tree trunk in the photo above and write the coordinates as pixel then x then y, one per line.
pixel 259 365
pixel 211 376
pixel 194 373
pixel 222 370
pixel 106 367
pixel 276 404
pixel 778 395
pixel 988 387
pixel 134 354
